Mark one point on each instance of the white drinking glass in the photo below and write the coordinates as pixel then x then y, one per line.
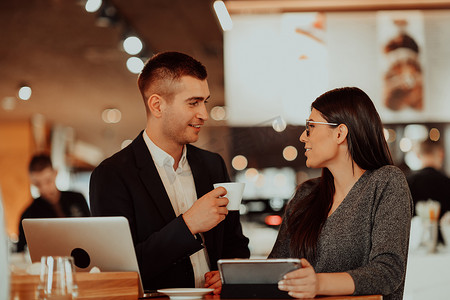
pixel 57 279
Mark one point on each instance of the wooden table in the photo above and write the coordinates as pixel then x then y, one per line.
pixel 114 285
pixel 366 297
pixel 105 285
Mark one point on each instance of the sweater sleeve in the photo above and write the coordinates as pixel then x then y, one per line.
pixel 391 220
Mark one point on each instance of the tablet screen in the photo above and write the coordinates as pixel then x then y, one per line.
pixel 256 271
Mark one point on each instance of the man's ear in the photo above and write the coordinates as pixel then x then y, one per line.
pixel 342 132
pixel 155 103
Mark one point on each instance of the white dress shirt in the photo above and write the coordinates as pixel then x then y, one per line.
pixel 180 188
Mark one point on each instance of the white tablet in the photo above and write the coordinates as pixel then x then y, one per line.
pixel 256 271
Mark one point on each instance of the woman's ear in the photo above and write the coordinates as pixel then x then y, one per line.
pixel 154 103
pixel 342 132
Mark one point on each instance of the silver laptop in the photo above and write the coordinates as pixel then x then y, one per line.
pixel 103 242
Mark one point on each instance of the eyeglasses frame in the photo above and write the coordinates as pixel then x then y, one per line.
pixel 308 130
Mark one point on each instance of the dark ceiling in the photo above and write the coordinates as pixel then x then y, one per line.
pixel 77 68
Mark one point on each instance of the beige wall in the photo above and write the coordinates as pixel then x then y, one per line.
pixel 16 148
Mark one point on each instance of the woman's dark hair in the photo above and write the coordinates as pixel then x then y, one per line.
pixel 367 147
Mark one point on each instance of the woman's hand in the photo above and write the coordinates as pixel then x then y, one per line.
pixel 301 283
pixel 212 281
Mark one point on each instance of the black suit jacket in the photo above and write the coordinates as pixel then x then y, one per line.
pixel 73 204
pixel 128 184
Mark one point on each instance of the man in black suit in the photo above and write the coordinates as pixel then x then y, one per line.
pixel 429 182
pixel 164 186
pixel 51 203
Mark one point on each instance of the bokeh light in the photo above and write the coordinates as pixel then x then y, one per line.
pixel 24 93
pixel 239 162
pixel 279 124
pixel 290 153
pixel 405 144
pixel 435 134
pixel 111 115
pixel 125 143
pixel 92 5
pixel 132 45
pixel 218 113
pixel 251 174
pixel 135 65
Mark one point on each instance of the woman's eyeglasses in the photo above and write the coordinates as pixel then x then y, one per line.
pixel 308 128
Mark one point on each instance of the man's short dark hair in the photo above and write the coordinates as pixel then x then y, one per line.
pixel 428 146
pixel 40 162
pixel 163 69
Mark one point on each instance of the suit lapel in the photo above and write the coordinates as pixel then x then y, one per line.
pixel 151 180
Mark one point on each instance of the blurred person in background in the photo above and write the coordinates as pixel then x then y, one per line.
pixel 163 185
pixel 350 227
pixel 52 202
pixel 430 182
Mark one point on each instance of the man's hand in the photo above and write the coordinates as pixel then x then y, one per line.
pixel 207 212
pixel 212 281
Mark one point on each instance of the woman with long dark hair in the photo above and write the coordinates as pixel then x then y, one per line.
pixel 350 227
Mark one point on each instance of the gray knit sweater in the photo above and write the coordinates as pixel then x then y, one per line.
pixel 367 236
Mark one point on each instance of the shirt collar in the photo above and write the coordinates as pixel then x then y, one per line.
pixel 162 158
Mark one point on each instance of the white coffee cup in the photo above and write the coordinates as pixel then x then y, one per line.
pixel 234 193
